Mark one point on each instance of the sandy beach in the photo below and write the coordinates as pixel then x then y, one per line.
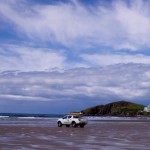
pixel 97 135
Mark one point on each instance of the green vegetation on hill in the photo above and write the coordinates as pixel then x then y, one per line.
pixel 121 108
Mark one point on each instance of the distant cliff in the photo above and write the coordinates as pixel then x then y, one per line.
pixel 121 108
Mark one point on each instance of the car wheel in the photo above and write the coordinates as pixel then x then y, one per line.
pixel 81 126
pixel 59 124
pixel 74 125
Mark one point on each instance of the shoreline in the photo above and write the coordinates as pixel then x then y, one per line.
pixel 140 120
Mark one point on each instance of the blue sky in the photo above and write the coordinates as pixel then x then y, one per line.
pixel 61 56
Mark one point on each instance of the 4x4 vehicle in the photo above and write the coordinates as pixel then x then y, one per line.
pixel 73 120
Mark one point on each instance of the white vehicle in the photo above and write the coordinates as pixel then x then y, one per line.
pixel 73 120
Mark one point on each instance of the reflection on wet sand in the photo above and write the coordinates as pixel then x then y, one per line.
pixel 103 135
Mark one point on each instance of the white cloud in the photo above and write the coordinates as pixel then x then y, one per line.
pixel 128 82
pixel 135 21
pixel 29 59
pixel 22 98
pixel 123 25
pixel 110 59
pixel 72 24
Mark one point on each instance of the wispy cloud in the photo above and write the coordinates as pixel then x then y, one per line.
pixel 112 59
pixel 121 25
pixel 116 82
pixel 102 51
pixel 26 58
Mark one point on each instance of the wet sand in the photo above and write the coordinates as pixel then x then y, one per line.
pixel 97 135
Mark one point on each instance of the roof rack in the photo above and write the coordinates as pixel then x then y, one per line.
pixel 75 113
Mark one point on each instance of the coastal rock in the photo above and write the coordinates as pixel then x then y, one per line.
pixel 121 108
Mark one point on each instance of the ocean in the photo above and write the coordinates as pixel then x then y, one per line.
pixel 30 115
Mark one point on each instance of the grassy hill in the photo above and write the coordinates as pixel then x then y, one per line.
pixel 121 108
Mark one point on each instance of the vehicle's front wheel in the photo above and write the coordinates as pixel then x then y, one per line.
pixel 74 125
pixel 59 124
pixel 82 126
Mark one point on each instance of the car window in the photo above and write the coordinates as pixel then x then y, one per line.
pixel 65 117
pixel 69 117
pixel 76 117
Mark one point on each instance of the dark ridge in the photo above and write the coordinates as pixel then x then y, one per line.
pixel 120 108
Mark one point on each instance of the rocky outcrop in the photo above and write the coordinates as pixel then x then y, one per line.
pixel 121 108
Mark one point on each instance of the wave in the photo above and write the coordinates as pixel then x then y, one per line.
pixel 4 116
pixel 94 118
pixel 29 116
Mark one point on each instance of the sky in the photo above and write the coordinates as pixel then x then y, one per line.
pixel 58 56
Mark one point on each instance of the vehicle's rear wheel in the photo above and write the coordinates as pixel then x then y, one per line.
pixel 59 124
pixel 74 125
pixel 82 126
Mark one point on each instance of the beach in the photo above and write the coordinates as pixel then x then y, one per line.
pixel 43 134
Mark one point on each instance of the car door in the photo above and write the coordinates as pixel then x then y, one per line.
pixel 65 120
pixel 69 119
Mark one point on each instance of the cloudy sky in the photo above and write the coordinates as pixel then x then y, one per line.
pixel 58 56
